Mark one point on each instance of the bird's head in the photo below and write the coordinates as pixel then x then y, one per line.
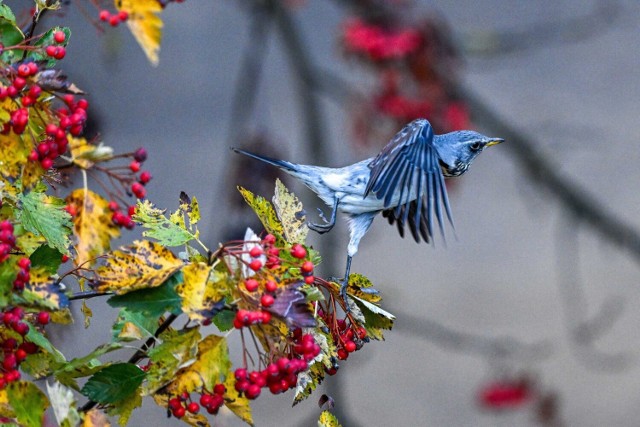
pixel 458 149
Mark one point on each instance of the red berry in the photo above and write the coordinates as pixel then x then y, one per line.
pixel 9 361
pixel 113 205
pixel 134 166
pixel 59 36
pixel 179 412
pixel 44 317
pixel 59 52
pixel 114 20
pixel 256 251
pixel 219 389
pixel 24 263
pixel 252 392
pixel 193 407
pixel 307 267
pixel 145 177
pixel 242 385
pixel 140 155
pixel 123 15
pixel 46 163
pixel 21 328
pixel 298 251
pixel 23 70
pixel 267 300
pixel 266 317
pixel 206 400
pixel 309 280
pixel 131 210
pixel 240 374
pixel 104 15
pixel 251 285
pixel 255 265
pixel 138 190
pixel 174 403
pixel 83 104
pixel 342 354
pixel 19 83
pixel 29 347
pixel 350 346
pixel 33 156
pixel 21 355
pixel 271 286
pixel 269 239
pixel 64 258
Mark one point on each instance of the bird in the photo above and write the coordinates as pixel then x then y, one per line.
pixel 404 182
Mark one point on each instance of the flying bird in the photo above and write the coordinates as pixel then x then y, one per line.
pixel 405 182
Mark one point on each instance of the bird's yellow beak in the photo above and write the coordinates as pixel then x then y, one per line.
pixel 494 141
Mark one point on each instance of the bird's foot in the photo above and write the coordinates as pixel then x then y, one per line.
pixel 322 228
pixel 344 283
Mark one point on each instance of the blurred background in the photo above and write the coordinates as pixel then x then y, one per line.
pixel 528 314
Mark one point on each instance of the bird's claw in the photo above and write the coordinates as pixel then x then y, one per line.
pixel 322 217
pixel 321 228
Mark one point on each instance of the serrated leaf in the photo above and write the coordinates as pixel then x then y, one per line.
pixel 189 206
pixel 44 293
pixel 10 34
pixel 153 301
pixel 45 216
pixel 265 211
pixel 46 258
pixel 113 383
pixel 168 232
pixel 201 299
pixel 92 225
pixel 83 366
pixel 212 363
pixel 358 282
pixel 291 214
pixel 145 24
pixel 178 348
pixel 143 264
pixel 28 402
pixel 63 403
pixel 375 318
pixel 327 419
pixel 236 403
pixel 125 407
pixel 38 365
pixel 224 320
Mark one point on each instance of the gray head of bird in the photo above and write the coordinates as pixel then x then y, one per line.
pixel 458 149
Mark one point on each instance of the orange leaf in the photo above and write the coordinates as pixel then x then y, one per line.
pixel 145 24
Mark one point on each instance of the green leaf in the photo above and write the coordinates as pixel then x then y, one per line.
pixel 133 325
pixel 38 365
pixel 47 40
pixel 28 402
pixel 114 383
pixel 264 210
pixel 83 366
pixel 10 34
pixel 124 408
pixel 224 320
pixel 291 214
pixel 63 403
pixel 41 341
pixel 47 258
pixel 8 273
pixel 168 232
pixel 375 318
pixel 152 301
pixel 327 419
pixel 45 216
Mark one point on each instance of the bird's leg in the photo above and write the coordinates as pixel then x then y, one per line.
pixel 328 225
pixel 345 283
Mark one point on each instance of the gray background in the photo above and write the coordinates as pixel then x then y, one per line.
pixel 514 250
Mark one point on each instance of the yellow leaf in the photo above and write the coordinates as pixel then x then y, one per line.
pixel 264 210
pixel 327 419
pixel 199 295
pixel 212 362
pixel 88 314
pixel 95 418
pixel 145 24
pixel 236 403
pixel 92 225
pixel 291 214
pixel 142 265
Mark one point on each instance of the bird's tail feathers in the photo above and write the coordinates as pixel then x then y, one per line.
pixel 282 164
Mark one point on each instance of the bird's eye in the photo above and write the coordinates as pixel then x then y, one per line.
pixel 475 146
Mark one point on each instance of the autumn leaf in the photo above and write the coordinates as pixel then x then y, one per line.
pixel 95 418
pixel 291 214
pixel 84 154
pixel 264 210
pixel 45 216
pixel 170 231
pixel 327 419
pixel 44 292
pixel 63 403
pixel 235 402
pixel 145 24
pixel 92 225
pixel 212 363
pixel 375 318
pixel 133 325
pixel 201 299
pixel 125 407
pixel 143 264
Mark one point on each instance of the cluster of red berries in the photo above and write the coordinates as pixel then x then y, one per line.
pixel 137 188
pixel 305 345
pixel 23 276
pixel 121 219
pixel 247 318
pixel 14 353
pixel 347 341
pixel 212 402
pixel 113 19
pixel 378 43
pixel 54 51
pixel 7 239
pixel 278 377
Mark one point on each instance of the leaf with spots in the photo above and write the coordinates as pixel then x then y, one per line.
pixel 145 24
pixel 28 403
pixel 92 225
pixel 264 210
pixel 211 365
pixel 170 231
pixel 235 402
pixel 143 264
pixel 44 292
pixel 201 299
pixel 45 216
pixel 327 419
pixel 291 214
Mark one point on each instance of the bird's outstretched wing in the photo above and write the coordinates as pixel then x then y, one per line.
pixel 408 170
